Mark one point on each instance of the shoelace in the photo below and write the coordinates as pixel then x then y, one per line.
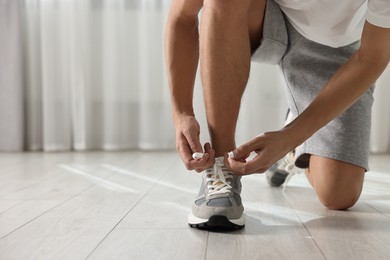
pixel 287 164
pixel 217 177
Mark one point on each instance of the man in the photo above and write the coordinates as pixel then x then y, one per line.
pixel 330 53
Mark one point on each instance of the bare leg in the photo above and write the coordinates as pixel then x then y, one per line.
pixel 337 184
pixel 229 29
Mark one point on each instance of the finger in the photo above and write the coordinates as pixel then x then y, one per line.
pixel 193 141
pixel 201 164
pixel 206 162
pixel 186 156
pixel 208 159
pixel 246 168
pixel 243 151
pixel 185 152
pixel 207 147
pixel 198 156
pixel 211 152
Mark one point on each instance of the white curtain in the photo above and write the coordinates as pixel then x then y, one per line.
pixel 101 83
pixel 380 137
pixel 89 74
pixel 11 85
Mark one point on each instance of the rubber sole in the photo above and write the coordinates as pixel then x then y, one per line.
pixel 278 178
pixel 220 223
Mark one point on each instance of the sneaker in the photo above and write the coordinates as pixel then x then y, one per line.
pixel 282 171
pixel 218 205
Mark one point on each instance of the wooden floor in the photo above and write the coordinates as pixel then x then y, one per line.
pixel 134 205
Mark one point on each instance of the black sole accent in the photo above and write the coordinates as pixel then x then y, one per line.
pixel 278 178
pixel 217 223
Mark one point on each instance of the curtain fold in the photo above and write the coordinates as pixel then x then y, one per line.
pixel 380 130
pixel 11 83
pixel 89 74
pixel 101 82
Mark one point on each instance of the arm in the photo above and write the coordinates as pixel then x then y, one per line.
pixel 181 56
pixel 345 87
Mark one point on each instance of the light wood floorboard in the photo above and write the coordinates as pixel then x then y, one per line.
pixel 74 228
pixel 134 205
pixel 273 229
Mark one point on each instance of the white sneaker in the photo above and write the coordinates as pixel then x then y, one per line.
pixel 285 168
pixel 282 171
pixel 218 205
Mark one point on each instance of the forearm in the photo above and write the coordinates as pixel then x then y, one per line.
pixel 350 82
pixel 181 56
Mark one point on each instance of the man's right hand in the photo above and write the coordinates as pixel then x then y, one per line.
pixel 187 143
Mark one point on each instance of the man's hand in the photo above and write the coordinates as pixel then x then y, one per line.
pixel 187 143
pixel 270 147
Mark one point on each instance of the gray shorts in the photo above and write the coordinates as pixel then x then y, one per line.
pixel 306 67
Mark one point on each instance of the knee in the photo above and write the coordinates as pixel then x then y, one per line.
pixel 338 184
pixel 227 7
pixel 339 194
pixel 338 201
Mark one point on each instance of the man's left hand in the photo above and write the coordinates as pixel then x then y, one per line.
pixel 269 147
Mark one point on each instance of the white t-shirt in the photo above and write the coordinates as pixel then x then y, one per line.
pixel 335 23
